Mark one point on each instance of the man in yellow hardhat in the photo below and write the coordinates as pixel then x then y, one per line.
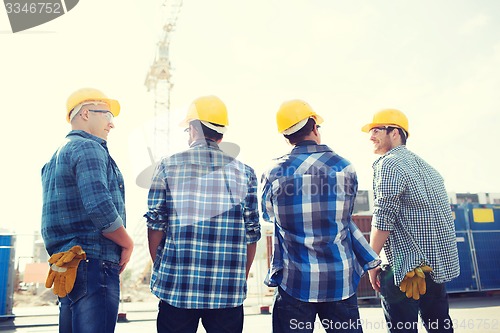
pixel 203 225
pixel 83 217
pixel 413 223
pixel 319 254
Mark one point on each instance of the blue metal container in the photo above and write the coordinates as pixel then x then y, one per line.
pixel 488 258
pixel 467 280
pixel 459 213
pixel 6 275
pixel 483 217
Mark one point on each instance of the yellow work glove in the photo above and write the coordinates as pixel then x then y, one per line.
pixel 413 284
pixel 62 273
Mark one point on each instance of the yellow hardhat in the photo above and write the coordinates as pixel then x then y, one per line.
pixel 207 108
pixel 294 111
pixel 388 117
pixel 90 94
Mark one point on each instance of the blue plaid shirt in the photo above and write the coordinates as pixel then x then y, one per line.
pixel 83 196
pixel 206 203
pixel 319 254
pixel 411 202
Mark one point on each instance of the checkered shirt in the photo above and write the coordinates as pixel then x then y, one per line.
pixel 83 195
pixel 318 252
pixel 206 203
pixel 411 202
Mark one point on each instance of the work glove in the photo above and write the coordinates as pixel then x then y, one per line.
pixel 62 273
pixel 413 284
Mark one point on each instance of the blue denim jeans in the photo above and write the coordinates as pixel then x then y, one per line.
pixel 293 315
pixel 92 305
pixel 176 320
pixel 401 313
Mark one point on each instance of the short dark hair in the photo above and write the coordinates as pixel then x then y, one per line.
pixel 208 133
pixel 301 133
pixel 402 133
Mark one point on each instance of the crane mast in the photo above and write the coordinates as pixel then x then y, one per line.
pixel 159 80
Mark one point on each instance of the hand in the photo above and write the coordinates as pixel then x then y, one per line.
pixel 62 273
pixel 374 278
pixel 122 238
pixel 125 257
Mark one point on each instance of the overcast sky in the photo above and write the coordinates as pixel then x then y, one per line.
pixel 437 61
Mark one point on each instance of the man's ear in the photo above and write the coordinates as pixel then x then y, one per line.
pixel 395 135
pixel 84 113
pixel 315 130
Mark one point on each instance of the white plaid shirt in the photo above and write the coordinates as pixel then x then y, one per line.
pixel 411 202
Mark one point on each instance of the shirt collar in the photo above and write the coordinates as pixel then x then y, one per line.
pixel 306 142
pixel 395 150
pixel 87 135
pixel 310 147
pixel 390 152
pixel 204 143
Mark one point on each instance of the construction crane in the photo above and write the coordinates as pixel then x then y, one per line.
pixel 159 79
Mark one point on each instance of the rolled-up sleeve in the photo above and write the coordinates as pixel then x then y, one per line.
pixel 267 207
pixel 158 201
pixel 251 211
pixel 388 187
pixel 114 226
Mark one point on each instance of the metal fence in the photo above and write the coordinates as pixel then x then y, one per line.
pixel 477 228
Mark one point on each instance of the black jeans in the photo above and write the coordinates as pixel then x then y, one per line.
pixel 176 320
pixel 292 315
pixel 401 313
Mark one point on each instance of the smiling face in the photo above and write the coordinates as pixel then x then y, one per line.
pixel 384 139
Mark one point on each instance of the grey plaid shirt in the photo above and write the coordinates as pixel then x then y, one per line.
pixel 206 203
pixel 411 202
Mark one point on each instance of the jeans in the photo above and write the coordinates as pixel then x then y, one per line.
pixel 176 320
pixel 401 313
pixel 292 315
pixel 92 305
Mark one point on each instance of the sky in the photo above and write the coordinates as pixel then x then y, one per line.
pixel 437 61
